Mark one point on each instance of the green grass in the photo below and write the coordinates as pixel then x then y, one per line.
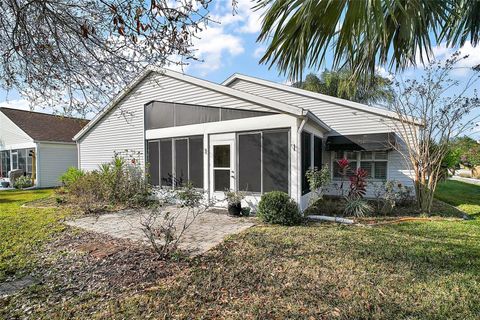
pixel 407 271
pixel 24 230
pixel 464 196
pixel 416 270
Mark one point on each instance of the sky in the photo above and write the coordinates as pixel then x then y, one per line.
pixel 230 46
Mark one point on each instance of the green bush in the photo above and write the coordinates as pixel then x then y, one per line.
pixel 278 208
pixel 357 207
pixel 119 182
pixel 22 182
pixel 70 176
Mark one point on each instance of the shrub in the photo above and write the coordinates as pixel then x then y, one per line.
pixel 278 208
pixel 318 181
pixel 87 192
pixel 119 182
pixel 357 207
pixel 70 176
pixel 22 182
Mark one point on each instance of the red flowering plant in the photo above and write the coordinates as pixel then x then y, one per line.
pixel 344 166
pixel 358 183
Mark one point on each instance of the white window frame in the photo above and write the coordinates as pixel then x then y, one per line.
pixel 358 160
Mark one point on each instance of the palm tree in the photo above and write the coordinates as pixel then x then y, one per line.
pixel 362 33
pixel 337 84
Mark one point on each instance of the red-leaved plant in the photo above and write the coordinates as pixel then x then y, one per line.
pixel 358 183
pixel 344 166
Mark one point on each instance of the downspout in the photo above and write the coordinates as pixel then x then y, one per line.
pixel 299 159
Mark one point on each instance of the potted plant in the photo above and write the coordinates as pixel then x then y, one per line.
pixel 234 200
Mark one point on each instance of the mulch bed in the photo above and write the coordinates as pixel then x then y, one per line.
pixel 82 264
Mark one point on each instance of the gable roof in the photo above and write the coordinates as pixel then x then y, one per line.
pixel 45 127
pixel 310 94
pixel 272 104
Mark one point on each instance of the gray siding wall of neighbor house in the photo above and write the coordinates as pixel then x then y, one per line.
pixel 343 120
pixel 53 160
pixel 123 127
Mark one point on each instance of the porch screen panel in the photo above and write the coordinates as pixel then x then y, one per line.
pixel 275 161
pixel 166 163
pixel 159 115
pixel 4 163
pixel 250 162
pixel 196 161
pixel 317 152
pixel 188 114
pixel 22 160
pixel 181 162
pixel 154 162
pixel 232 114
pixel 306 159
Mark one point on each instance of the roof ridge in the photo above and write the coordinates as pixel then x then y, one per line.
pixel 45 114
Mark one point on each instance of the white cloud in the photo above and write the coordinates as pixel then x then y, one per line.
pixel 21 104
pixel 213 45
pixel 441 53
pixel 259 52
pixel 384 73
pixel 245 19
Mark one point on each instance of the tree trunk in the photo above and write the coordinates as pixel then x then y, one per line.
pixel 424 197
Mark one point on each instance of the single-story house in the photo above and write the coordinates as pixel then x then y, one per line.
pixel 39 144
pixel 245 134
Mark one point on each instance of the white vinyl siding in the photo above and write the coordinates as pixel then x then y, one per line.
pixel 11 134
pixel 123 127
pixel 342 119
pixel 53 160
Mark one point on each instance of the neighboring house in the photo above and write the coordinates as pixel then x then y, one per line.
pixel 246 134
pixel 39 144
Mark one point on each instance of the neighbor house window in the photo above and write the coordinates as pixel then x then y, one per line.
pixel 4 163
pixel 374 162
pixel 263 161
pixel 174 162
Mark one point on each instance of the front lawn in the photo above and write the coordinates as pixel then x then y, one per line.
pixel 23 230
pixel 416 270
pixel 464 196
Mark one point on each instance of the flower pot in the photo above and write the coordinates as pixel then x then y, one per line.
pixel 235 209
pixel 4 184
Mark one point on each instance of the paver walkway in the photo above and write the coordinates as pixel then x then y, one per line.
pixel 206 231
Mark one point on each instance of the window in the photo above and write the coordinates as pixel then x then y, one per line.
pixel 374 162
pixel 250 162
pixel 153 162
pixel 14 159
pixel 195 161
pixel 181 162
pixel 30 160
pixel 263 161
pixel 176 161
pixel 276 161
pixel 317 152
pixel 221 167
pixel 4 163
pixel 166 164
pixel 306 159
pixel 166 114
